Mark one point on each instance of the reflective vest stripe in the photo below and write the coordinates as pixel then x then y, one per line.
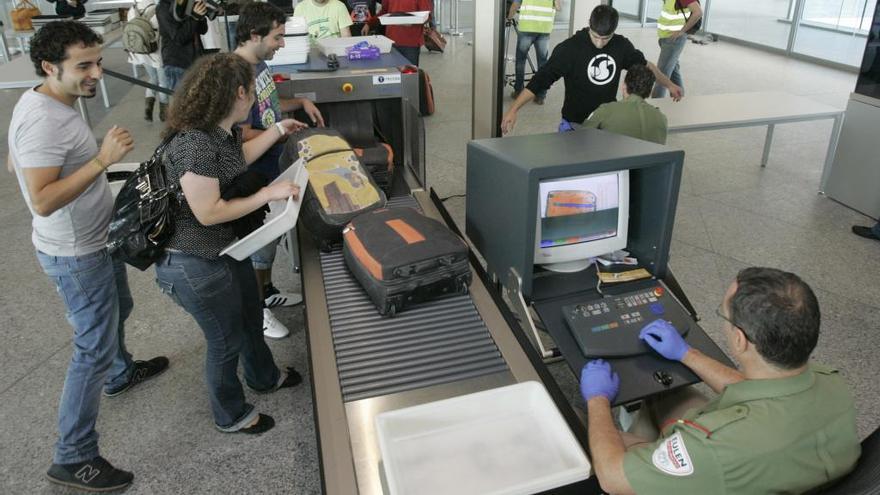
pixel 536 16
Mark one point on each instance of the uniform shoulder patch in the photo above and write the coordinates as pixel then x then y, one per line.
pixel 672 457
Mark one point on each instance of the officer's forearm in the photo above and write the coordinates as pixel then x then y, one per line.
pixel 715 374
pixel 606 447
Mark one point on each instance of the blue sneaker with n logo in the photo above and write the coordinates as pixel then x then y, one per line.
pixel 95 475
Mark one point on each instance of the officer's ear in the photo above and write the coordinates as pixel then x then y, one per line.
pixel 740 341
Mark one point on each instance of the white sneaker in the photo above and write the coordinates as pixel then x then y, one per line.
pixel 275 297
pixel 272 328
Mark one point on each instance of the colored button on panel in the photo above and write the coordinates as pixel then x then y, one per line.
pixel 658 291
pixel 347 88
pixel 657 308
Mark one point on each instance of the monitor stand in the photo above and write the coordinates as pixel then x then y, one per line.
pixel 568 266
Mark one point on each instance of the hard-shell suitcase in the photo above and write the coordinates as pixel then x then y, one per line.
pixel 340 187
pixel 402 257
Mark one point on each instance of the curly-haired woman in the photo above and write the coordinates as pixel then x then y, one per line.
pixel 206 155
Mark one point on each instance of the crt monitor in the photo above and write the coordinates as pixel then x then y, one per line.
pixel 580 218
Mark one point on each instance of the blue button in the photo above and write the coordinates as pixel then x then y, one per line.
pixel 657 308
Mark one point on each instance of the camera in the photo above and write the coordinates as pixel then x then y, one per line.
pixel 184 8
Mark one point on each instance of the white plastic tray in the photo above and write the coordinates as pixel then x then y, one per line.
pixel 281 218
pixel 337 46
pixel 289 58
pixel 504 441
pixel 418 17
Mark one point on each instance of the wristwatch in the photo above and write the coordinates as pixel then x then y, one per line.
pixel 281 129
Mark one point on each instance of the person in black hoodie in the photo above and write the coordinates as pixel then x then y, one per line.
pixel 72 8
pixel 590 62
pixel 180 39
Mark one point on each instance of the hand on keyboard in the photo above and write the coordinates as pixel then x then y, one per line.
pixel 665 339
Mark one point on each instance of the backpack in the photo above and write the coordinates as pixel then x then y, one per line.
pixel 143 213
pixel 138 35
pixel 696 27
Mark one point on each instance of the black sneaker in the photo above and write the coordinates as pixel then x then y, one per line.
pixel 292 378
pixel 143 370
pixel 96 475
pixel 275 297
pixel 866 232
pixel 539 100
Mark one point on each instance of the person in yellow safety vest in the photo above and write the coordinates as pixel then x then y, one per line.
pixel 535 24
pixel 676 19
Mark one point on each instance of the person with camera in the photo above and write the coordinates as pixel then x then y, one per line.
pixel 205 156
pixel 676 19
pixel 259 34
pixel 62 179
pixel 180 39
pixel 70 8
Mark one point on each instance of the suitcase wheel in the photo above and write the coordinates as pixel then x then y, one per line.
pixel 390 311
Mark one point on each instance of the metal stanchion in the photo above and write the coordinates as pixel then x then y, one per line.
pixel 453 28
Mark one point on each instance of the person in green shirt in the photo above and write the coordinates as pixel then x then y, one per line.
pixel 780 424
pixel 676 18
pixel 325 18
pixel 632 116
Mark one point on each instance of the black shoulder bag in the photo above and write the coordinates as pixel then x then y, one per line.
pixel 143 213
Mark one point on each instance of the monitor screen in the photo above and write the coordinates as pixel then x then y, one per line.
pixel 580 218
pixel 579 210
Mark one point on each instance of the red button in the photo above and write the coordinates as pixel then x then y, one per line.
pixel 658 291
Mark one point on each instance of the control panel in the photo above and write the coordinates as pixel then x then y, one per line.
pixel 610 326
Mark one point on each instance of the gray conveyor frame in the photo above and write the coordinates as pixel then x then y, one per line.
pixel 348 449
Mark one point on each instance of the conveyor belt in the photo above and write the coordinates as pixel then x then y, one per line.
pixel 437 342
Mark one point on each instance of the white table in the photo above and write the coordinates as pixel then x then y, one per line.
pixel 712 112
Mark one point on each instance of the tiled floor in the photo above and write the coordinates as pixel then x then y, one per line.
pixel 731 214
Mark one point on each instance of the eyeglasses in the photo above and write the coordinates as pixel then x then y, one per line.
pixel 728 320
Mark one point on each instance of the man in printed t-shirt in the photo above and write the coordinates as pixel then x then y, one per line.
pixel 326 18
pixel 590 63
pixel 259 34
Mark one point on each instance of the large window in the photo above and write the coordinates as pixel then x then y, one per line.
pixel 835 30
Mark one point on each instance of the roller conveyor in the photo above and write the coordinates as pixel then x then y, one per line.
pixel 364 364
pixel 377 356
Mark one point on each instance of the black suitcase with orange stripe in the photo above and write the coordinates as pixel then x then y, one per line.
pixel 402 257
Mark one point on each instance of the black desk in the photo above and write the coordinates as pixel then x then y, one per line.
pixel 636 373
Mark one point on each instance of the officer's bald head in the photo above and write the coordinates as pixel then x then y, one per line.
pixel 779 314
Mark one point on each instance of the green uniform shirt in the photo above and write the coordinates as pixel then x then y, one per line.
pixel 633 117
pixel 759 436
pixel 536 16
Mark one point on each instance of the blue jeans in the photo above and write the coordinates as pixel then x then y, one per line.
pixel 264 257
pixel 221 295
pixel 95 291
pixel 173 76
pixel 157 77
pixel 524 42
pixel 670 52
pixel 411 53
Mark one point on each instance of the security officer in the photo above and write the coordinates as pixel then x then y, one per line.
pixel 633 116
pixel 780 425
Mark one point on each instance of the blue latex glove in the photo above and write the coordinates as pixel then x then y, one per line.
pixel 597 379
pixel 565 126
pixel 665 339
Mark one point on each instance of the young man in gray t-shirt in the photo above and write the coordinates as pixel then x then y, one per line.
pixel 61 173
